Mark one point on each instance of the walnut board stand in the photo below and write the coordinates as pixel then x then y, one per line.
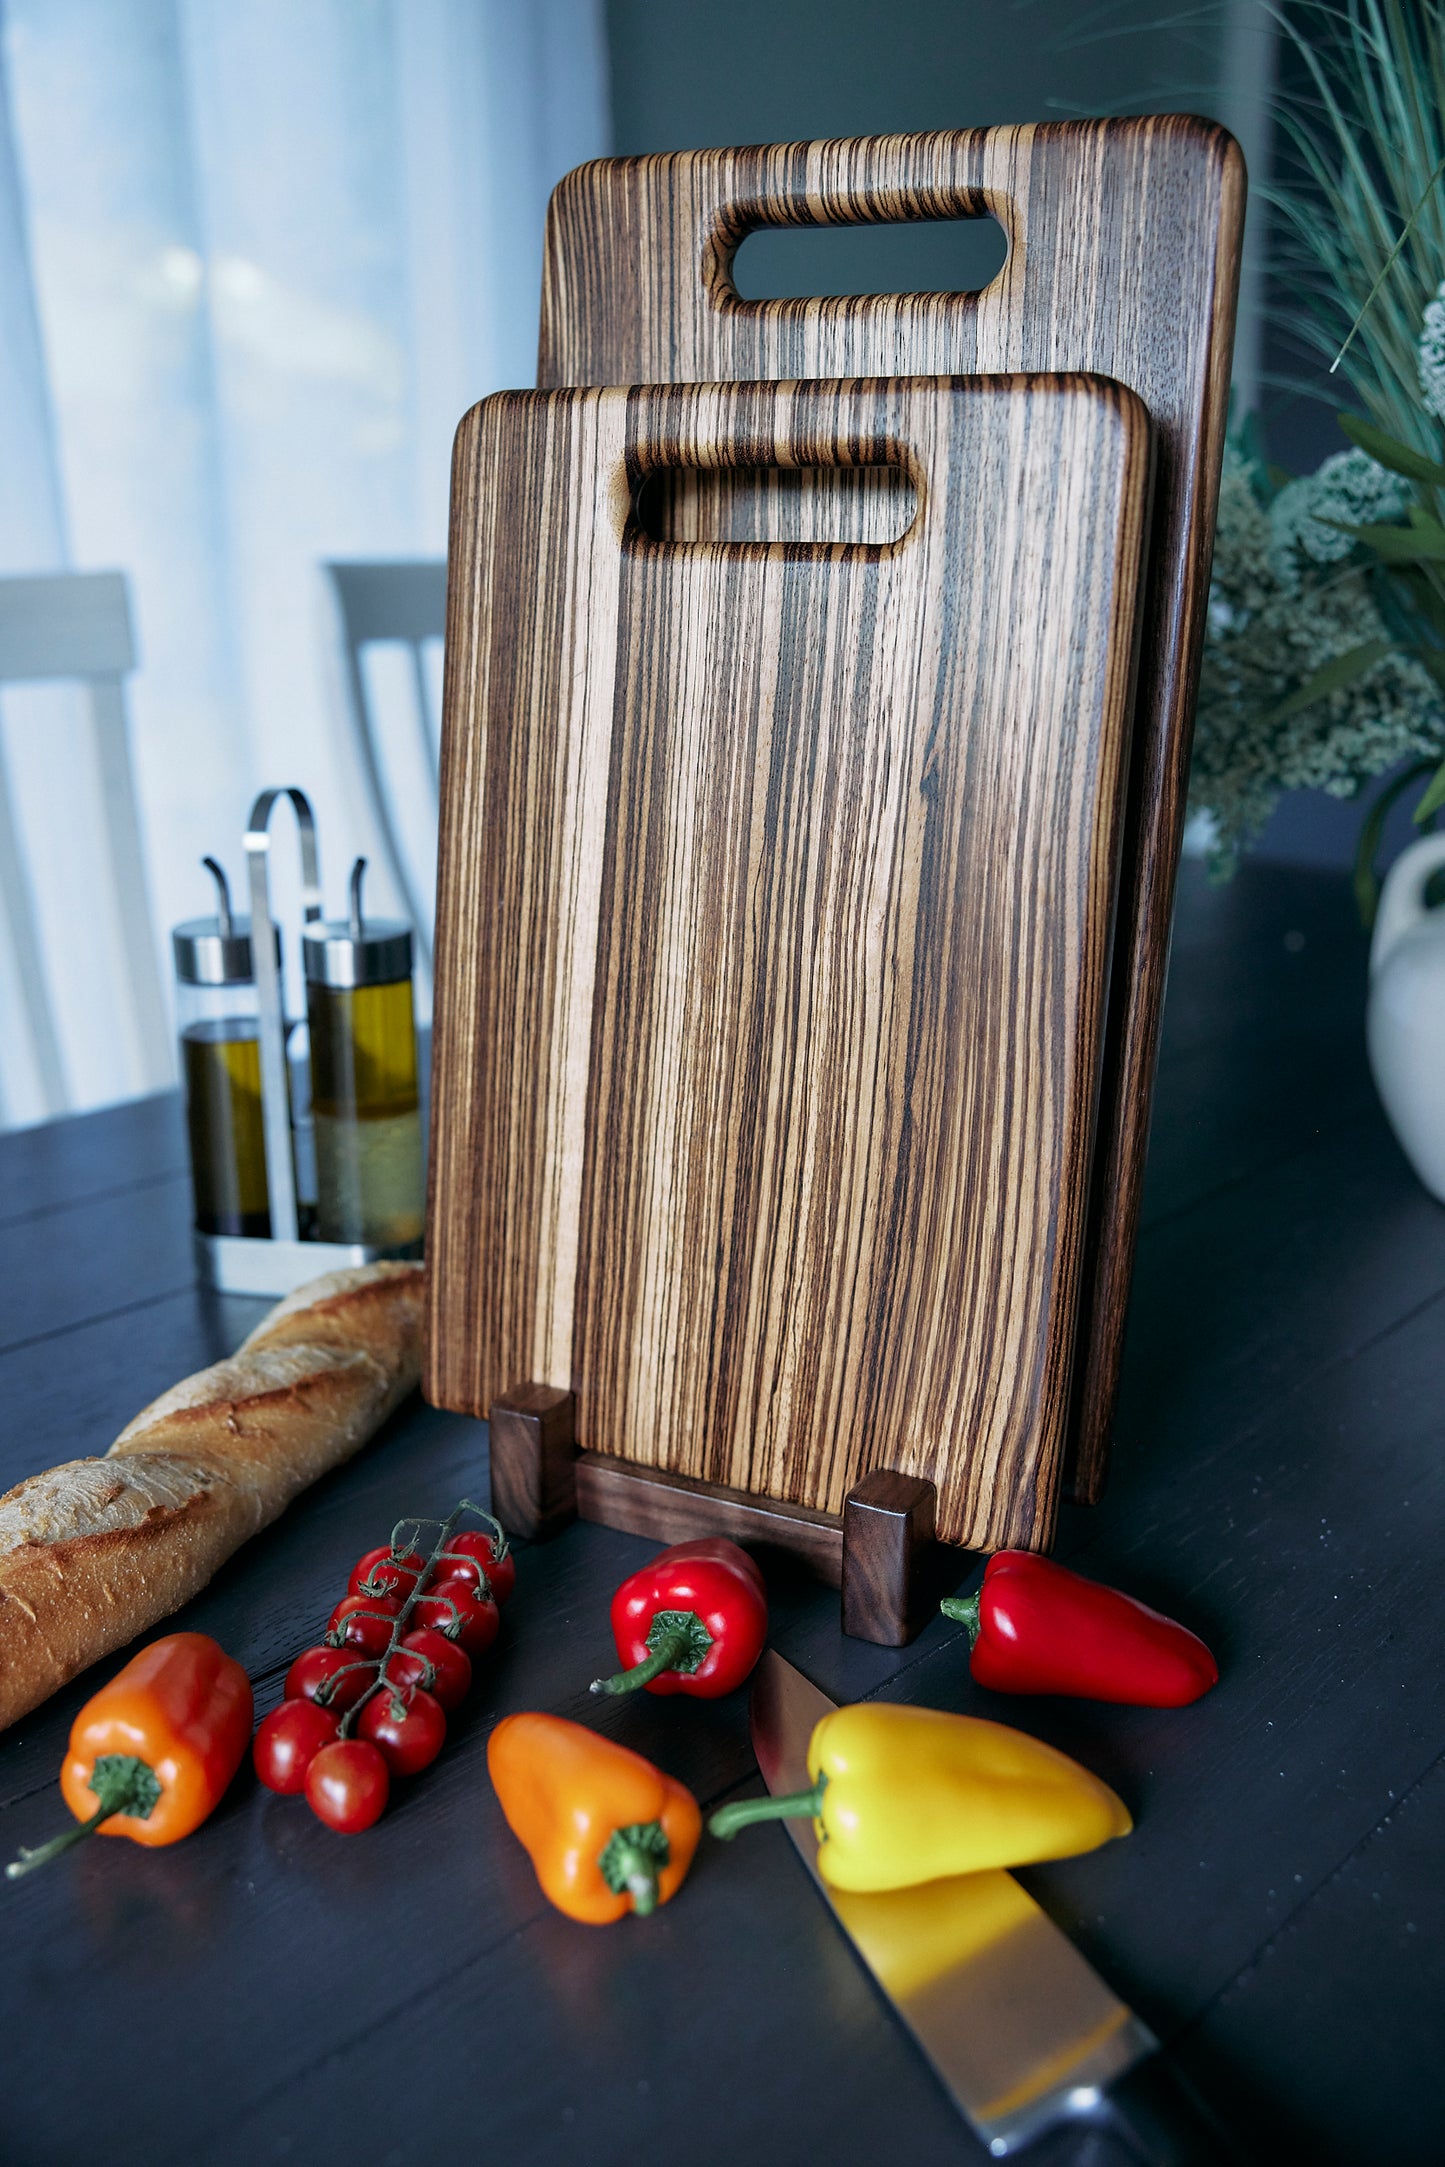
pixel 774 905
pixel 1124 240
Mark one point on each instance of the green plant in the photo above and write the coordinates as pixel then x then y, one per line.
pixel 1358 240
pixel 1303 685
pixel 1325 656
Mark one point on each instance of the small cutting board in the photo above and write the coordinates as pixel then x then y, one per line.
pixel 1124 241
pixel 773 932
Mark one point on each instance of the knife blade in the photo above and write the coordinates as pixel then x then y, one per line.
pixel 1020 2030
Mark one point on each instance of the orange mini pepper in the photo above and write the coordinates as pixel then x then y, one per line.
pixel 152 1752
pixel 606 1831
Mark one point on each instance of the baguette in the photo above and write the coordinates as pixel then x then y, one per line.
pixel 94 1552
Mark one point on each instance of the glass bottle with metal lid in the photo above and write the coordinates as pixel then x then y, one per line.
pixel 216 1012
pixel 365 1104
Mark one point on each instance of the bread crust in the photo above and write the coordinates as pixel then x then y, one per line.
pixel 96 1551
pixel 375 1306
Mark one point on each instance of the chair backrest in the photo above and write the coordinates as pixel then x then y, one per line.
pixel 76 626
pixel 399 603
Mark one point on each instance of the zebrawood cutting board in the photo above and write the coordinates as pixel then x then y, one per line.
pixel 773 917
pixel 1123 258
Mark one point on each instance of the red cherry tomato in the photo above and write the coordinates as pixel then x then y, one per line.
pixel 363 1622
pixel 469 1552
pixel 427 1658
pixel 288 1741
pixel 458 1609
pixel 386 1572
pixel 312 1674
pixel 409 1728
pixel 347 1785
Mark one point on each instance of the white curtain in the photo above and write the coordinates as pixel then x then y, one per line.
pixel 256 259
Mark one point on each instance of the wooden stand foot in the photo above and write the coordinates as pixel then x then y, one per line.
pixel 889 1562
pixel 884 1551
pixel 534 1460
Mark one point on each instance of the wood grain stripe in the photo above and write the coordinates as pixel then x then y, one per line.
pixel 1124 244
pixel 832 966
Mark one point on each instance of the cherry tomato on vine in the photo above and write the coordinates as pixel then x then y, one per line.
pixel 470 1552
pixel 288 1741
pixel 459 1610
pixel 409 1728
pixel 347 1785
pixel 314 1670
pixel 429 1659
pixel 363 1622
pixel 386 1572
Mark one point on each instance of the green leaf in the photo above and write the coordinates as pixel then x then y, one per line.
pixel 1433 660
pixel 1424 597
pixel 1345 669
pixel 1364 879
pixel 1389 452
pixel 1433 799
pixel 1423 542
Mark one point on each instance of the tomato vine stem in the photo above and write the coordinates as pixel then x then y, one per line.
pixel 407 1535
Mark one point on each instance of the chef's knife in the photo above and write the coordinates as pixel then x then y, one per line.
pixel 1021 2032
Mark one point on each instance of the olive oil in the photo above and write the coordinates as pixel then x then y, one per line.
pixel 221 1059
pixel 365 1111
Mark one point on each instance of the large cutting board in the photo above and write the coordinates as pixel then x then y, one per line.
pixel 1123 258
pixel 773 924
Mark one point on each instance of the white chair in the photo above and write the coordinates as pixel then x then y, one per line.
pixel 399 603
pixel 76 626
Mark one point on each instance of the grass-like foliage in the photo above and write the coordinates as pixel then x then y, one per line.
pixel 1368 139
pixel 1325 657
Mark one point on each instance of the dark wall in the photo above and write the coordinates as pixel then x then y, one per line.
pixel 686 76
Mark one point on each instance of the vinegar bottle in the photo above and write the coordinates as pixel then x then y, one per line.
pixel 365 1105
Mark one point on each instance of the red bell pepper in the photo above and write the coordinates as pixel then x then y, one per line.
pixel 692 1621
pixel 1035 1627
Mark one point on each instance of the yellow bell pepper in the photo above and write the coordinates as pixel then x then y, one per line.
pixel 902 1795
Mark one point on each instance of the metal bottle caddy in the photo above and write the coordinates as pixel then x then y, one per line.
pixel 273 1264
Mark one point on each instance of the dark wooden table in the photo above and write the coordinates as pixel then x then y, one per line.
pixel 267 1991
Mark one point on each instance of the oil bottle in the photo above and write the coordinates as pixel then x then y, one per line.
pixel 221 1067
pixel 365 1103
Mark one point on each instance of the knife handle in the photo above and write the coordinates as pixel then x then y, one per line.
pixel 1152 2118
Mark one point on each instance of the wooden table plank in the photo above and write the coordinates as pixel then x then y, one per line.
pixel 94 1257
pixel 79 1386
pixel 1279 1480
pixel 1340 2076
pixel 1278 950
pixel 99 1154
pixel 1263 1050
pixel 1239 1300
pixel 1299 1571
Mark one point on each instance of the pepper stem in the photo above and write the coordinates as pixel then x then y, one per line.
pixel 793 1806
pixel 963 1609
pixel 122 1783
pixel 677 1639
pixel 632 1860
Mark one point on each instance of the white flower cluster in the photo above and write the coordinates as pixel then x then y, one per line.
pixel 1267 635
pixel 1432 356
pixel 1350 489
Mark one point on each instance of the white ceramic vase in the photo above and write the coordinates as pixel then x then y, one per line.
pixel 1406 1024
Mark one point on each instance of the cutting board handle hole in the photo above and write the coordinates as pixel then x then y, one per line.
pixel 824 506
pixel 932 255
